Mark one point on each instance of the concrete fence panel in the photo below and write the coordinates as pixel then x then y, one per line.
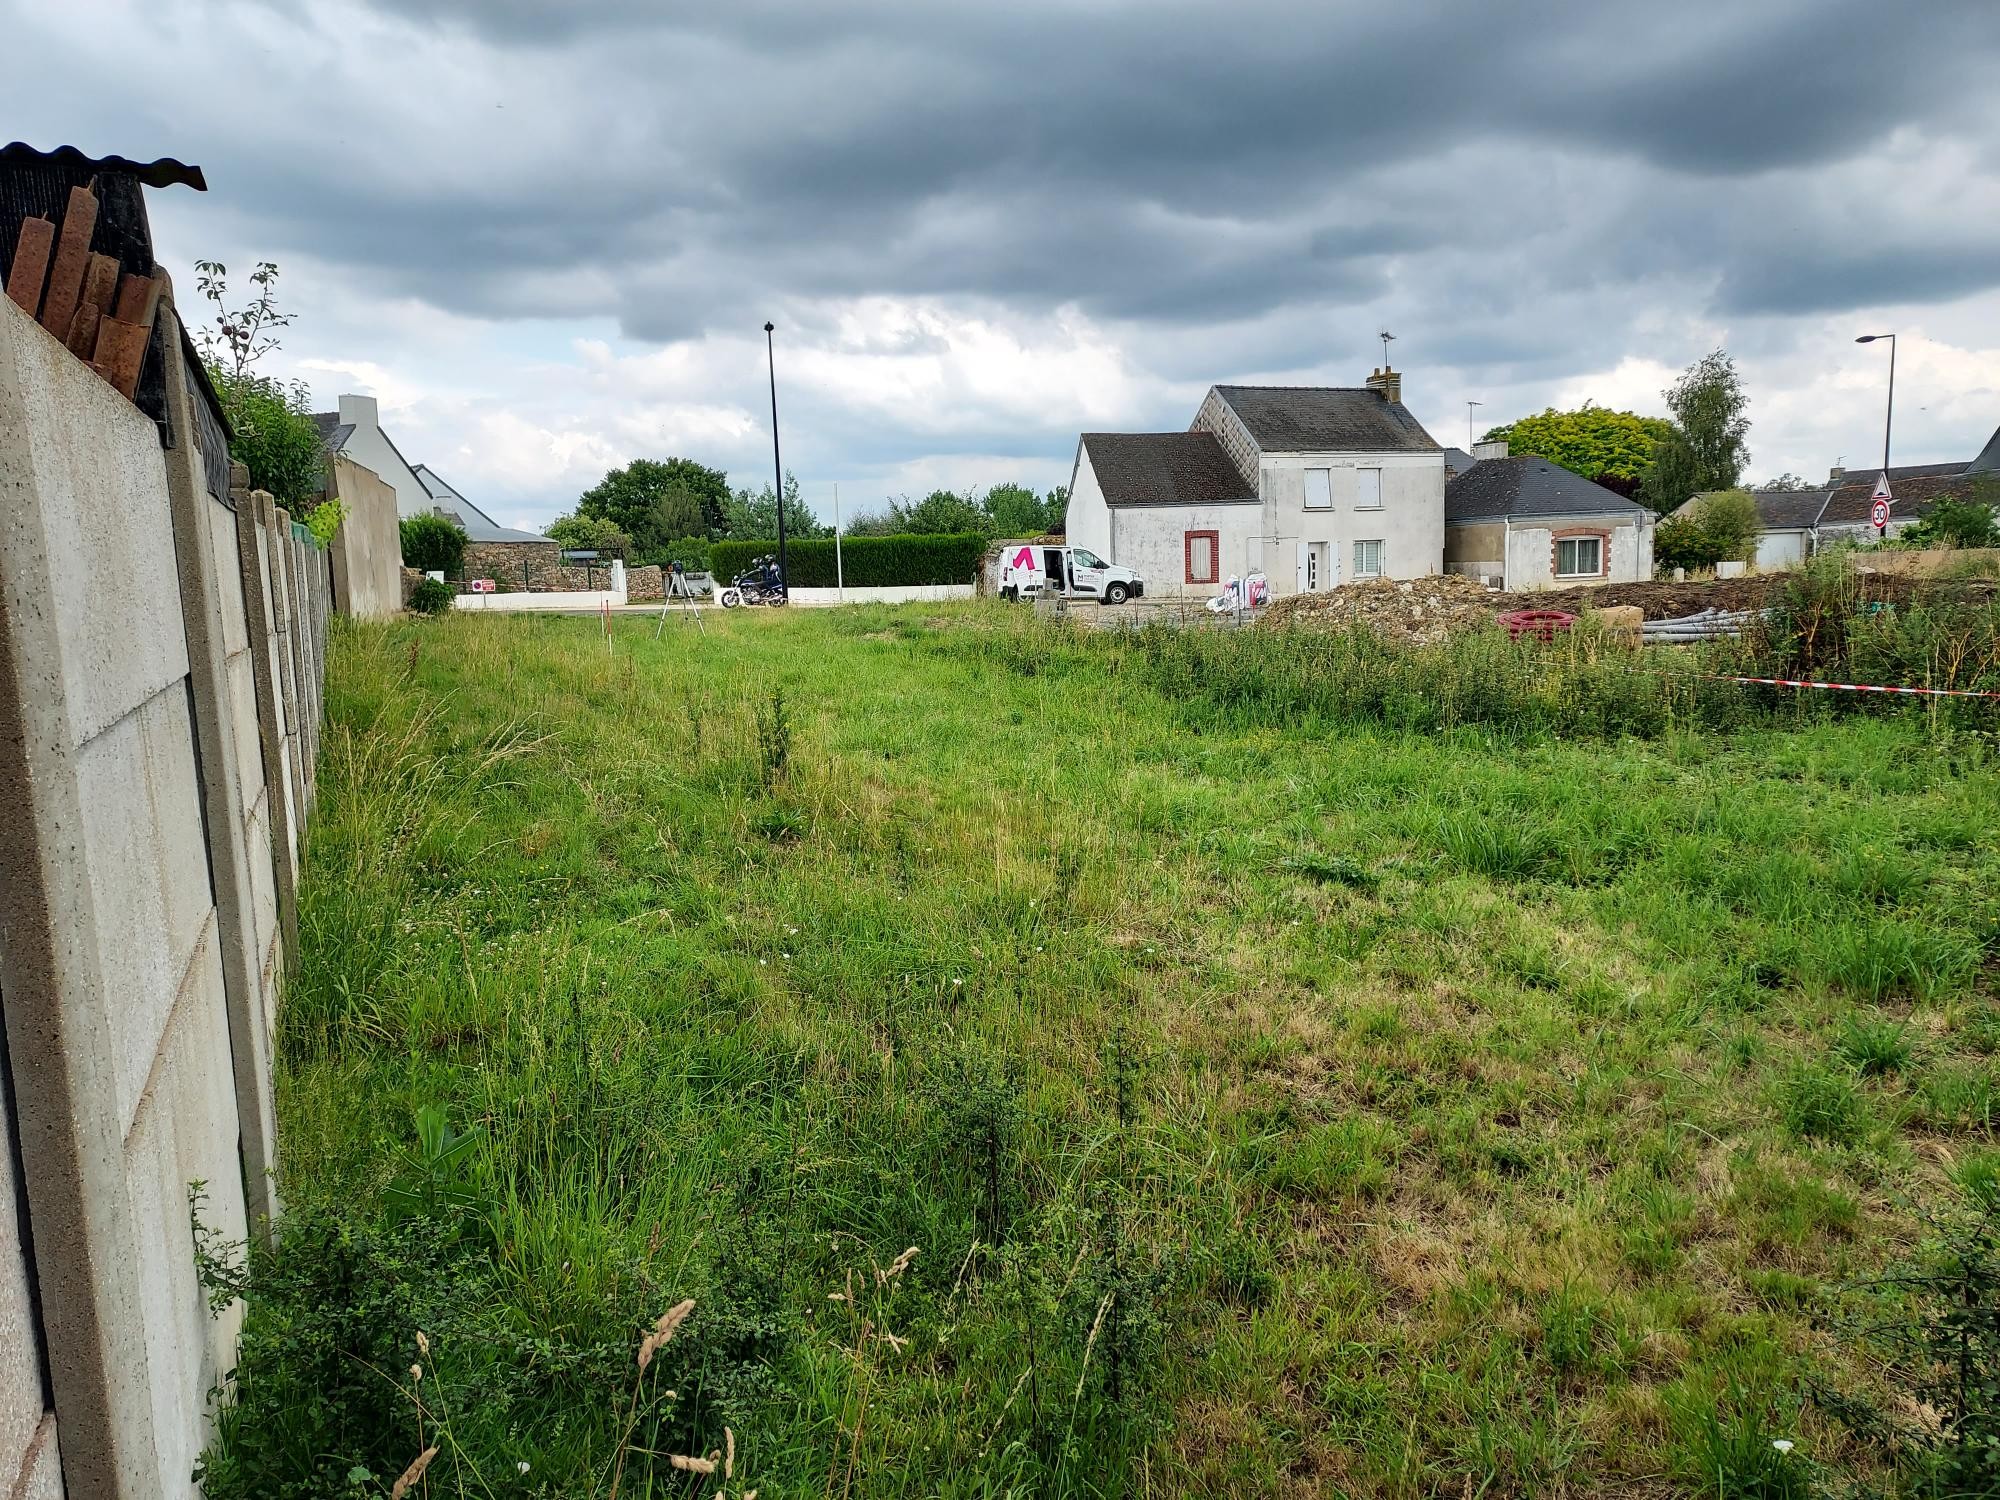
pixel 367 551
pixel 162 652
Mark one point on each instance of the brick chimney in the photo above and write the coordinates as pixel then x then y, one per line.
pixel 1388 382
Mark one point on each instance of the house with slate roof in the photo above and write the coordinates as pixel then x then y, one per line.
pixel 1792 525
pixel 355 430
pixel 1313 486
pixel 1526 523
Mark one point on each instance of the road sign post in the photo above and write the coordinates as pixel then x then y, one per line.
pixel 1878 511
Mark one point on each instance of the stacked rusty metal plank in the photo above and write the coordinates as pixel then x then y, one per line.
pixel 103 313
pixel 76 254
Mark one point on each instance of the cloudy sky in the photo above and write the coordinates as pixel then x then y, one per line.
pixel 547 233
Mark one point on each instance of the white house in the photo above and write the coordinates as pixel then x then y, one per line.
pixel 356 430
pixel 1313 486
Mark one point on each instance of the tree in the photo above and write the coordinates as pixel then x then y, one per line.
pixel 433 544
pixel 245 335
pixel 1705 450
pixel 1721 527
pixel 1784 484
pixel 1593 440
pixel 590 534
pixel 272 432
pixel 1016 510
pixel 273 435
pixel 749 517
pixel 656 501
pixel 940 513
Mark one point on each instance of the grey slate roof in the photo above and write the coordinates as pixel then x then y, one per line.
pixel 1787 510
pixel 474 522
pixel 1164 468
pixel 1326 419
pixel 1852 501
pixel 333 432
pixel 1457 461
pixel 1528 487
pixel 1989 456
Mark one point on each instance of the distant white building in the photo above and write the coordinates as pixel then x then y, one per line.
pixel 1313 486
pixel 355 432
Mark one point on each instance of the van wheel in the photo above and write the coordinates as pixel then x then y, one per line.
pixel 1116 593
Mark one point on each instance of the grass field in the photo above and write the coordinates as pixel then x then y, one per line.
pixel 1275 1104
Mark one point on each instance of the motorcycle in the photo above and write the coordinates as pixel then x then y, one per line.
pixel 760 583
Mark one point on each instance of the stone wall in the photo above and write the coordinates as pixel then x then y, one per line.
pixel 156 769
pixel 643 584
pixel 518 567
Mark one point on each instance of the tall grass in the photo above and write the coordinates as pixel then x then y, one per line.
pixel 1277 1101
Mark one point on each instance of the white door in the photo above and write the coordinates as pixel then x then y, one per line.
pixel 1086 572
pixel 1313 567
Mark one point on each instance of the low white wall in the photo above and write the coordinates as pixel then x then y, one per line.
pixel 926 593
pixel 579 602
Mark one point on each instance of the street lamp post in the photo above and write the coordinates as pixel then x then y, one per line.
pixel 777 466
pixel 1890 416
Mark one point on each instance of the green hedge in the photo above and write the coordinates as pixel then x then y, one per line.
pixel 866 561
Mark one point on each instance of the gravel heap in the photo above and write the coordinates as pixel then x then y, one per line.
pixel 1422 610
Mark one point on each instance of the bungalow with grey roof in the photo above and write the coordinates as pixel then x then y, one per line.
pixel 1526 523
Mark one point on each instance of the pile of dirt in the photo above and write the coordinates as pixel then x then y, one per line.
pixel 1661 599
pixel 1417 609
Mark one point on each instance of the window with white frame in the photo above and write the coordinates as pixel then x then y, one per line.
pixel 1319 489
pixel 1579 556
pixel 1367 559
pixel 1367 489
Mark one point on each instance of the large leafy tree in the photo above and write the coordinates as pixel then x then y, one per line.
pixel 940 513
pixel 1593 440
pixel 752 516
pixel 659 501
pixel 1706 448
pixel 1016 510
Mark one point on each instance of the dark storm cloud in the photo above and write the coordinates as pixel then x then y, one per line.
pixel 1164 163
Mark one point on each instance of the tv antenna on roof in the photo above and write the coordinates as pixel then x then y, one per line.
pixel 1385 336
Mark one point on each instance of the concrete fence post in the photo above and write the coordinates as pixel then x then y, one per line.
pixel 260 607
pixel 224 779
pixel 277 544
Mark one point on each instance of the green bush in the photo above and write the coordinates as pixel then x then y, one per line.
pixel 433 545
pixel 431 597
pixel 324 519
pixel 867 561
pixel 272 433
pixel 691 552
pixel 1721 527
pixel 1953 522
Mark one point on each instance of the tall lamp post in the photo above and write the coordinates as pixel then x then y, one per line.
pixel 1468 423
pixel 777 466
pixel 1890 417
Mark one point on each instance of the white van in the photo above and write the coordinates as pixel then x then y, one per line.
pixel 1034 569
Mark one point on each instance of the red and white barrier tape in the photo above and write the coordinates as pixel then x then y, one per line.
pixel 1851 687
